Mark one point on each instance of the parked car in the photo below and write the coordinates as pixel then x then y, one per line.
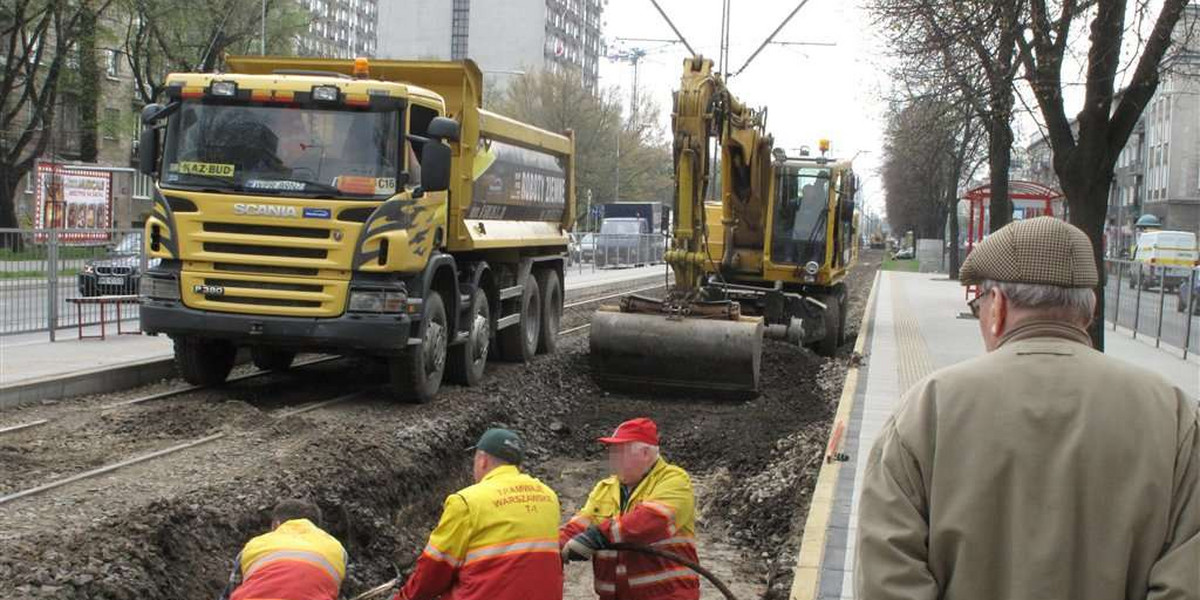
pixel 904 254
pixel 116 273
pixel 583 248
pixel 1186 294
pixel 627 242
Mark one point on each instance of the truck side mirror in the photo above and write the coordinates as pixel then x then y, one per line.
pixel 435 166
pixel 442 128
pixel 148 151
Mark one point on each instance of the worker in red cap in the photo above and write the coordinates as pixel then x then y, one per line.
pixel 647 501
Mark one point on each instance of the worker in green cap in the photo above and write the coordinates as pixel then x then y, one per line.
pixel 497 539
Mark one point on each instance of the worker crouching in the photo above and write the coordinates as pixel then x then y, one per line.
pixel 647 501
pixel 296 560
pixel 496 539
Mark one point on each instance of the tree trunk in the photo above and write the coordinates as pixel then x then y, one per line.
pixel 9 180
pixel 1000 139
pixel 952 216
pixel 1087 199
pixel 89 89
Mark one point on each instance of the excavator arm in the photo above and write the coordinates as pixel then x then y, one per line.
pixel 685 342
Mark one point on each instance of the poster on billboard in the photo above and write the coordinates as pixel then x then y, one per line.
pixel 517 184
pixel 74 199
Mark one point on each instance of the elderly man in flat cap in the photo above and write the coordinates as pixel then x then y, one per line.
pixel 1043 469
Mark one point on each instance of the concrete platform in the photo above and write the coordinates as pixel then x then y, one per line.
pixel 33 368
pixel 912 328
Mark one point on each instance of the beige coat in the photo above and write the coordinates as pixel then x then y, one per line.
pixel 1042 470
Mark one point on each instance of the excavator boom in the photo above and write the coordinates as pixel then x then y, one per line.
pixel 687 342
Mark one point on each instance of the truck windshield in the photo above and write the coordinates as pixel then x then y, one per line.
pixel 283 150
pixel 802 199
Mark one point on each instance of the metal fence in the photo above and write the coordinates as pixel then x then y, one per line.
pixel 1155 302
pixel 616 250
pixel 45 273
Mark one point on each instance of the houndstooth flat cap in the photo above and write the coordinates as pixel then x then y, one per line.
pixel 1043 250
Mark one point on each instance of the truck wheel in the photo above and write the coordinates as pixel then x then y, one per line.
pixel 829 344
pixel 272 359
pixel 519 343
pixel 552 307
pixel 469 359
pixel 204 362
pixel 416 375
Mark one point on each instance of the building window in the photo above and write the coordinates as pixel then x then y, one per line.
pixel 111 124
pixel 112 66
pixel 460 21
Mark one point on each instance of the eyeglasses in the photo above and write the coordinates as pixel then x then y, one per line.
pixel 974 303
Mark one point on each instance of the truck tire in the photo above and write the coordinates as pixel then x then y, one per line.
pixel 469 359
pixel 416 375
pixel 552 307
pixel 519 343
pixel 204 362
pixel 834 324
pixel 272 359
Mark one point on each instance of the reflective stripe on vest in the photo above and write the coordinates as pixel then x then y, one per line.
pixel 298 555
pixel 432 552
pixel 521 547
pixel 677 573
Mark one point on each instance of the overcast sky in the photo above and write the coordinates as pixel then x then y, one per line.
pixel 811 92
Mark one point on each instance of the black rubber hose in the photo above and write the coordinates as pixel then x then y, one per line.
pixel 627 547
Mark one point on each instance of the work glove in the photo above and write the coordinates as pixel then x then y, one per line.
pixel 584 545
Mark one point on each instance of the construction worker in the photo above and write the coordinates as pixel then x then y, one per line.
pixel 296 560
pixel 1042 469
pixel 496 539
pixel 647 501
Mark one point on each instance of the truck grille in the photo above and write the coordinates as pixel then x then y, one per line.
pixel 278 286
pixel 259 250
pixel 267 302
pixel 266 269
pixel 275 230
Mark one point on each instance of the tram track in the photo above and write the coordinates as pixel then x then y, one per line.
pixel 40 487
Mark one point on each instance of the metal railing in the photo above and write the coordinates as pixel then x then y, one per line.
pixel 43 270
pixel 615 250
pixel 1154 301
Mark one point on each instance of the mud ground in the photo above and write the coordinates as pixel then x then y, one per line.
pixel 168 529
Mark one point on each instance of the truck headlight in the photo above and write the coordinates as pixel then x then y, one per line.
pixel 325 93
pixel 812 267
pixel 160 288
pixel 377 301
pixel 224 89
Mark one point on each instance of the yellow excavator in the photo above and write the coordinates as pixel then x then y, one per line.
pixel 767 257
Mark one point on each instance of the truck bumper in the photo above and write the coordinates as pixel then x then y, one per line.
pixel 351 333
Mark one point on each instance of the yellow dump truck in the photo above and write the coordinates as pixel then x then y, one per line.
pixel 347 207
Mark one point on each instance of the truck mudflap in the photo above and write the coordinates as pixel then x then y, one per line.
pixel 366 333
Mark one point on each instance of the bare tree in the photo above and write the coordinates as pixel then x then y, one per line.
pixel 611 148
pixel 970 45
pixel 1084 160
pixel 36 37
pixel 165 36
pixel 933 145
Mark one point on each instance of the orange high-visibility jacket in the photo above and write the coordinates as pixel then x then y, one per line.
pixel 660 513
pixel 296 561
pixel 495 541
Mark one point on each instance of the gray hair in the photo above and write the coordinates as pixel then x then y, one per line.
pixel 1052 301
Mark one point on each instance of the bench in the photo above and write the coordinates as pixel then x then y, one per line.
pixel 102 302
